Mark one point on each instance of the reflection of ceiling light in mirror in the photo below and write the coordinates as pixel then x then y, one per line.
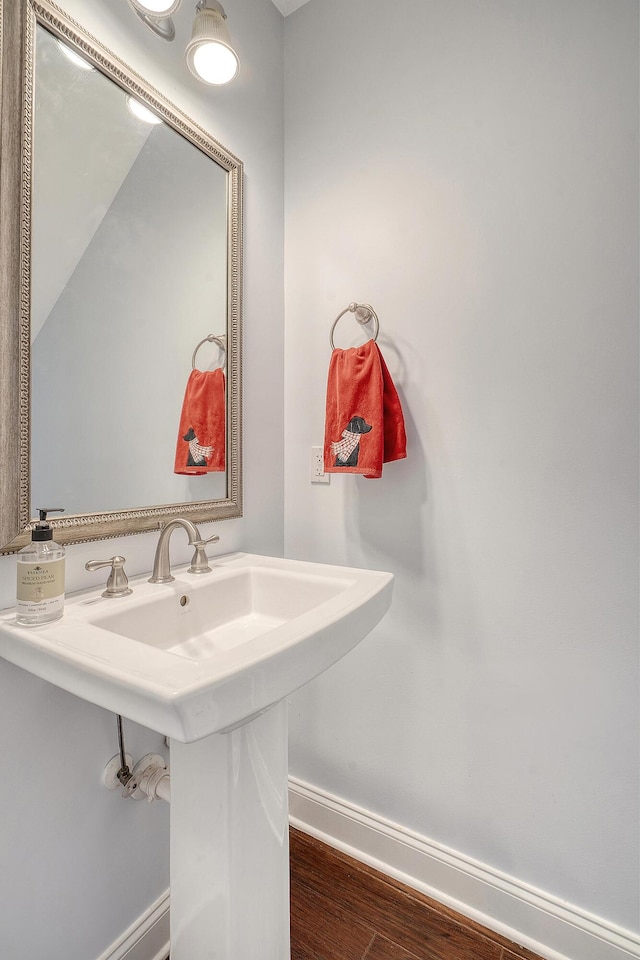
pixel 74 57
pixel 141 112
pixel 210 56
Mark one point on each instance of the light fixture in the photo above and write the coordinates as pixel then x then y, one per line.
pixel 156 14
pixel 210 56
pixel 156 8
pixel 141 112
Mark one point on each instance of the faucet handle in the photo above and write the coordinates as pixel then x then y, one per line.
pixel 200 561
pixel 117 581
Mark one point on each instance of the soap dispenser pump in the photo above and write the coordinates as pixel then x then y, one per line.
pixel 40 593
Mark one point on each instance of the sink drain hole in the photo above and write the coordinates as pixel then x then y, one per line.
pixel 184 600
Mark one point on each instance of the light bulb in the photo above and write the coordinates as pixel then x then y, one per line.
pixel 157 8
pixel 215 63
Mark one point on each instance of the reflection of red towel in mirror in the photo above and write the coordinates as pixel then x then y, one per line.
pixel 364 425
pixel 200 447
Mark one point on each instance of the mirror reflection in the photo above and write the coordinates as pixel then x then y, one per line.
pixel 128 276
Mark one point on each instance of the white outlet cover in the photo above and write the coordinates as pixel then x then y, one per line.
pixel 316 466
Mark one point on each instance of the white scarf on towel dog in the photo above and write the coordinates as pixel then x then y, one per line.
pixel 199 454
pixel 344 448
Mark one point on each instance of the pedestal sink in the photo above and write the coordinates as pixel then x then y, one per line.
pixel 208 661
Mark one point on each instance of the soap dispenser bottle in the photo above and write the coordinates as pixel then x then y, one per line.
pixel 40 593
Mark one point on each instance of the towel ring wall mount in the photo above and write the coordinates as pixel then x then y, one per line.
pixel 363 313
pixel 221 341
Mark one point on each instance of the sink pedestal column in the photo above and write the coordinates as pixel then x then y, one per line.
pixel 230 843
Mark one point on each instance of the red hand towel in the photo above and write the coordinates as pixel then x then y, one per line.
pixel 200 446
pixel 364 425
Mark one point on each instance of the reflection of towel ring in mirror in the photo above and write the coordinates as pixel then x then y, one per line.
pixel 212 338
pixel 364 312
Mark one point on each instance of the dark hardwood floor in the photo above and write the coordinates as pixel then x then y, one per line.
pixel 343 910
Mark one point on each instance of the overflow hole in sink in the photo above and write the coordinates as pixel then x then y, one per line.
pixel 184 600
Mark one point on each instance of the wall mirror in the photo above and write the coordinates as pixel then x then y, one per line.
pixel 120 254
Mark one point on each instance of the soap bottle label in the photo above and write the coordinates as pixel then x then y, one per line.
pixel 40 587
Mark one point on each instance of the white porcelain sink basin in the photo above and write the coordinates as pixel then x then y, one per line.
pixel 204 653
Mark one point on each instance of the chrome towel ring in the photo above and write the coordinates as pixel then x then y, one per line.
pixel 221 340
pixel 363 312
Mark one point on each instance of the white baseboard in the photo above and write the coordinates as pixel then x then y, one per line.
pixel 147 938
pixel 532 918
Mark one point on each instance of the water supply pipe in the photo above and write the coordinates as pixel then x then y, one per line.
pixel 150 777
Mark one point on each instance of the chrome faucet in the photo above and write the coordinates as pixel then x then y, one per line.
pixel 199 562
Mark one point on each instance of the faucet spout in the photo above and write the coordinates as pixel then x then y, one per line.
pixel 162 565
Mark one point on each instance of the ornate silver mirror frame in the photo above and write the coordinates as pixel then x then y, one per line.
pixel 18 20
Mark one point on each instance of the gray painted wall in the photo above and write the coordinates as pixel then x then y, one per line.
pixel 471 169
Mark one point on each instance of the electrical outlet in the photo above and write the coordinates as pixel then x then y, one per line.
pixel 317 474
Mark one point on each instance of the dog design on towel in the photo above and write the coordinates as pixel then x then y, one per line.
pixel 347 449
pixel 198 455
